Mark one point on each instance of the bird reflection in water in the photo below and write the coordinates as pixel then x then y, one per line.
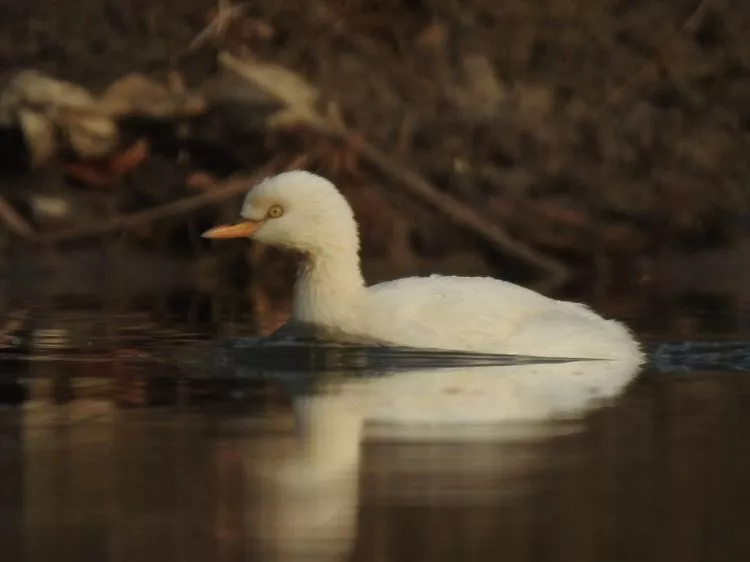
pixel 414 435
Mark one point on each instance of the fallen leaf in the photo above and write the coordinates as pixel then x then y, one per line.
pixel 90 136
pixel 30 89
pixel 128 159
pixel 39 133
pixel 299 97
pixel 135 94
pixel 43 106
pixel 102 172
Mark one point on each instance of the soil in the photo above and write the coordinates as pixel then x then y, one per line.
pixel 603 133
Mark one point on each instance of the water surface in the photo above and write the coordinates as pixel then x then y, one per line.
pixel 125 434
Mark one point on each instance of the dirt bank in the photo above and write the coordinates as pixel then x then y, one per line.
pixel 601 134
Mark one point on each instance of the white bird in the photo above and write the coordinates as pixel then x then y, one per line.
pixel 305 212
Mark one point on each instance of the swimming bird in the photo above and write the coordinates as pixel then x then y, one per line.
pixel 305 212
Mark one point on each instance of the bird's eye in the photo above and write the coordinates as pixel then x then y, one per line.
pixel 275 211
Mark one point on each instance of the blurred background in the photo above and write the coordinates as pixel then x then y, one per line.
pixel 593 150
pixel 597 148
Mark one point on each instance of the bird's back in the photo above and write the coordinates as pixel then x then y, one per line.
pixel 490 315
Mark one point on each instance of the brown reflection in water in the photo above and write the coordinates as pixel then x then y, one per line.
pixel 663 475
pixel 90 470
pixel 102 483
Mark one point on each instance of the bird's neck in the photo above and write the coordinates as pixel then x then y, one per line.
pixel 330 427
pixel 329 288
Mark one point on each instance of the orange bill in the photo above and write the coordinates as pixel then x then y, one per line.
pixel 239 230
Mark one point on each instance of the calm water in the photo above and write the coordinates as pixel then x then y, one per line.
pixel 124 436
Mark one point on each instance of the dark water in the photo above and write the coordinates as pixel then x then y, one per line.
pixel 128 431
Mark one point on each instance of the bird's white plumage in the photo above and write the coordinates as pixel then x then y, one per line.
pixel 467 313
pixel 495 316
pixel 460 313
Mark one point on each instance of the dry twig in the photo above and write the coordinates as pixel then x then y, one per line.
pixel 299 100
pixel 207 197
pixel 636 79
pixel 217 27
pixel 459 213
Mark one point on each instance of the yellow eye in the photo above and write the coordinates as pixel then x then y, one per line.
pixel 275 211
